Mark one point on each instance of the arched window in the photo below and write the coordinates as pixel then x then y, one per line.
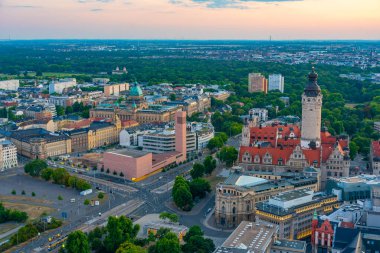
pixel 248 208
pixel 223 210
pixel 234 210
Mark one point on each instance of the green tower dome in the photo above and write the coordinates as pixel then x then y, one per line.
pixel 136 91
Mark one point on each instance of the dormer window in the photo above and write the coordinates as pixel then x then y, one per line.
pixel 257 159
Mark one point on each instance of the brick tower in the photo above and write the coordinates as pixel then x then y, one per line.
pixel 180 134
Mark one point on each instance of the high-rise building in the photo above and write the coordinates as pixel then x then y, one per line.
pixel 180 131
pixel 257 83
pixel 311 113
pixel 8 155
pixel 276 82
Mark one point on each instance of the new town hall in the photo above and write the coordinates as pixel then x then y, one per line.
pixel 286 156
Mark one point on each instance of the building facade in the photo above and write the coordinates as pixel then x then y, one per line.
pixel 286 147
pixel 276 82
pixel 293 211
pixel 61 84
pixel 257 83
pixel 115 89
pixel 236 198
pixel 8 155
pixel 9 85
pixel 374 157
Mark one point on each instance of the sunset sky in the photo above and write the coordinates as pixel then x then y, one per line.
pixel 190 19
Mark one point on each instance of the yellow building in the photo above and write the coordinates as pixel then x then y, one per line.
pixel 293 211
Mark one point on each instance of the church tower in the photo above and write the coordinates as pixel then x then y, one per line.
pixel 311 113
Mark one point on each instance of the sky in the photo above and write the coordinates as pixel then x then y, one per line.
pixel 190 19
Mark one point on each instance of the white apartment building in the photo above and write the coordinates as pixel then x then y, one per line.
pixel 9 85
pixel 58 87
pixel 276 82
pixel 8 155
pixel 164 141
pixel 261 113
pixel 204 133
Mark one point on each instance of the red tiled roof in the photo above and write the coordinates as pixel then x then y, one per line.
pixel 312 155
pixel 276 153
pixel 269 134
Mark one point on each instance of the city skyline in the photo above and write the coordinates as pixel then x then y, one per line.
pixel 175 19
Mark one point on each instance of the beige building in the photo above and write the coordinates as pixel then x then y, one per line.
pixel 257 83
pixel 115 89
pixel 155 114
pixel 47 124
pixel 38 143
pixel 236 198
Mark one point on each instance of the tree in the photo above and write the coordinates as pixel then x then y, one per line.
pixel 13 192
pixel 169 243
pixel 23 192
pixel 119 230
pixel 86 202
pixel 128 247
pixel 60 110
pixel 60 197
pixel 172 97
pixel 215 143
pixel 33 194
pixel 77 242
pixel 223 136
pixel 199 187
pixel 69 110
pixel 193 231
pixel 183 199
pixel 169 216
pixel 209 164
pixel 47 173
pixel 35 167
pixel 181 194
pixel 199 244
pixel 100 195
pixel 60 176
pixel 354 148
pixel 228 155
pixel 197 171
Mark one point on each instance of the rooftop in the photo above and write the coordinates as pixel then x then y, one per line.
pixel 174 227
pixel 292 195
pixel 251 236
pixel 130 152
pixel 289 244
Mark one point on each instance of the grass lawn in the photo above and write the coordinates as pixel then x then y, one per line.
pixel 33 211
pixel 24 199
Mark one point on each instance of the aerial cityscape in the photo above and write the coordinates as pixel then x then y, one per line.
pixel 190 126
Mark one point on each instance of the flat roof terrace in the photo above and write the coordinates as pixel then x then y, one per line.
pixel 130 152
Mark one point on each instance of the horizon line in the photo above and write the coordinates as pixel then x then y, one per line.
pixel 145 39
